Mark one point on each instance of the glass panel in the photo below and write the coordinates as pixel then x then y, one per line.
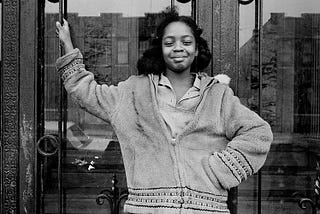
pixel 184 8
pixel 290 100
pixel 111 35
pixel 1 40
pixel 247 191
pixel 48 164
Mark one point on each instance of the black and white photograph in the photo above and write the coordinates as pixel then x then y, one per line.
pixel 160 107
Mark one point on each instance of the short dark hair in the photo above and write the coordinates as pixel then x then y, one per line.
pixel 152 60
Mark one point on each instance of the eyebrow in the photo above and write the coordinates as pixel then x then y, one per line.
pixel 184 36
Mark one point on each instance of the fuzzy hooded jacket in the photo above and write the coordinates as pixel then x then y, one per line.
pixel 223 144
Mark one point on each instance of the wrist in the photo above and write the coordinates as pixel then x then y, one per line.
pixel 68 47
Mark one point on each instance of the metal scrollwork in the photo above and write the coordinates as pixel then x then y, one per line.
pixel 314 204
pixel 10 106
pixel 112 196
pixel 245 2
pixel 54 145
pixel 105 195
pixel 303 204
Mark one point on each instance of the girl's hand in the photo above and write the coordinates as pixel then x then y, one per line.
pixel 63 32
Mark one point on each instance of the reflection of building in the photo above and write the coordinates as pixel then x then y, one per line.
pixel 111 45
pixel 290 58
pixel 290 67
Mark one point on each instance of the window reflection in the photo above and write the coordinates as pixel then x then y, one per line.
pixel 184 8
pixel 51 77
pixel 290 50
pixel 290 99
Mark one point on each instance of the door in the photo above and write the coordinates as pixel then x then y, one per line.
pixel 49 159
pixel 79 158
pixel 279 78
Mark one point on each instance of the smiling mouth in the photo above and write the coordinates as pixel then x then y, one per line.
pixel 178 59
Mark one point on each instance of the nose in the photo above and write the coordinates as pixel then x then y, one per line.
pixel 178 47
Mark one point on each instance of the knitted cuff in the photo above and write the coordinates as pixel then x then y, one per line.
pixel 67 58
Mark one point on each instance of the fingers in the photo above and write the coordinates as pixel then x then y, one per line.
pixel 62 30
pixel 65 22
pixel 58 25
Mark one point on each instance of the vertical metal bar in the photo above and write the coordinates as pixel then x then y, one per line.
pixel 64 113
pixel 260 20
pixel 60 131
pixel 193 10
pixel 212 39
pixel 64 93
pixel 41 200
pixel 40 107
pixel 315 36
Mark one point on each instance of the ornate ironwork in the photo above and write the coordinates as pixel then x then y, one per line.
pixel 245 2
pixel 112 196
pixel 303 204
pixel 315 202
pixel 10 107
pixel 41 144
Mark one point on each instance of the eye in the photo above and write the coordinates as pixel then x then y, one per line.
pixel 187 43
pixel 168 43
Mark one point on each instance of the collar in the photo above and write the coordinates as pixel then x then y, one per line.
pixel 163 80
pixel 202 80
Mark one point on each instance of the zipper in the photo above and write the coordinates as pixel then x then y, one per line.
pixel 172 140
pixel 175 147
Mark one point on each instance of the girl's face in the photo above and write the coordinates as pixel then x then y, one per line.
pixel 178 47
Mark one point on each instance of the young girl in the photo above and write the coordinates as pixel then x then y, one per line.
pixel 185 138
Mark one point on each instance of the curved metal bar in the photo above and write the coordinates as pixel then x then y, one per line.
pixel 183 1
pixel 245 2
pixel 123 197
pixel 54 141
pixel 105 194
pixel 317 186
pixel 303 204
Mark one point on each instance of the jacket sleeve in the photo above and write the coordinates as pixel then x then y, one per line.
pixel 250 140
pixel 99 100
